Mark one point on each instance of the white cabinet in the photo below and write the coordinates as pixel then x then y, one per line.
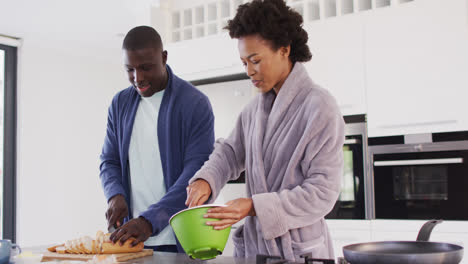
pixel 346 232
pixel 206 57
pixel 416 58
pixel 337 46
pixel 403 63
pixel 199 47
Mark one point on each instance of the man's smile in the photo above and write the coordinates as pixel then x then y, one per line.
pixel 143 88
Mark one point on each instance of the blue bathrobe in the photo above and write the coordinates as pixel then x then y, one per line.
pixel 186 139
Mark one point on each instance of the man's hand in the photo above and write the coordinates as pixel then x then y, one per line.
pixel 117 210
pixel 198 193
pixel 138 228
pixel 235 211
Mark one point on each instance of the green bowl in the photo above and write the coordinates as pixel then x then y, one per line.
pixel 199 240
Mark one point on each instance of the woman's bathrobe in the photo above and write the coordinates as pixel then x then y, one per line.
pixel 291 148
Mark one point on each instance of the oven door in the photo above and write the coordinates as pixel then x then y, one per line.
pixel 421 184
pixel 350 204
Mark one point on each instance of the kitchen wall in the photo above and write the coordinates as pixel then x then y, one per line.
pixel 69 69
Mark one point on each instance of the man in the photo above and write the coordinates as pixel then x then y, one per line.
pixel 160 131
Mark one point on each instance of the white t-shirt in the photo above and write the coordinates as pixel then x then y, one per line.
pixel 146 174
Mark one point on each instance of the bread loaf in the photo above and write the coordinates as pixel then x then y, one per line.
pixel 53 248
pixel 107 247
pixel 100 245
pixel 61 250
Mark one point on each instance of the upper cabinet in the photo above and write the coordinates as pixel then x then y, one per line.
pixel 416 57
pixel 204 58
pixel 198 46
pixel 337 61
pixel 401 62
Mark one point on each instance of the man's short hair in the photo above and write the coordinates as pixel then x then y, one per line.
pixel 142 37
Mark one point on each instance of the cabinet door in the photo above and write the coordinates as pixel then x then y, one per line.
pixel 204 58
pixel 416 59
pixel 337 60
pixel 346 232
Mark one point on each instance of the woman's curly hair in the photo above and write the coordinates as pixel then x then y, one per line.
pixel 274 21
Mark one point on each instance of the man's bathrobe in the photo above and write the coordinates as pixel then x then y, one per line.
pixel 291 148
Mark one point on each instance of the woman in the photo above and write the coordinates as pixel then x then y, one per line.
pixel 288 140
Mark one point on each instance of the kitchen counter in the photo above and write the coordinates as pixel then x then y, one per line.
pixel 163 258
pixel 173 258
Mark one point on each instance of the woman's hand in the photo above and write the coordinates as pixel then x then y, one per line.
pixel 235 211
pixel 198 192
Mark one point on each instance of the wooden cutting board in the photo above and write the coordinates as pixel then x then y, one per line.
pixel 50 256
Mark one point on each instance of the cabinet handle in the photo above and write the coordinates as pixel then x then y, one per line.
pixel 351 141
pixel 417 162
pixel 442 122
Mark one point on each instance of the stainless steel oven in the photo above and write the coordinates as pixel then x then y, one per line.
pixel 426 180
pixel 351 202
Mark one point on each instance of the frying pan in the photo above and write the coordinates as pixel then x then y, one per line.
pixel 415 252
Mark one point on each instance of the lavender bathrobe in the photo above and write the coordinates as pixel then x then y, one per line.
pixel 292 153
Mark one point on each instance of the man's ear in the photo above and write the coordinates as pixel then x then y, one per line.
pixel 164 57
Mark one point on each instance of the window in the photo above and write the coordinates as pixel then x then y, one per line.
pixel 2 89
pixel 8 62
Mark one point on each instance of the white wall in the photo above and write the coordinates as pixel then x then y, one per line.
pixel 62 103
pixel 227 100
pixel 69 69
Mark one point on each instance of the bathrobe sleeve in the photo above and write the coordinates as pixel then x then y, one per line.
pixel 321 168
pixel 226 162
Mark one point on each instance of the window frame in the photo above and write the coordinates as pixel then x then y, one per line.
pixel 9 143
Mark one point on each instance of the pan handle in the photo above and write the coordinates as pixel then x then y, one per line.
pixel 426 229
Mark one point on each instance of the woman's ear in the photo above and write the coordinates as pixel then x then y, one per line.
pixel 285 51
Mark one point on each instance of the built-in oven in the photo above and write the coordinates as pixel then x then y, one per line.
pixel 425 180
pixel 351 202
